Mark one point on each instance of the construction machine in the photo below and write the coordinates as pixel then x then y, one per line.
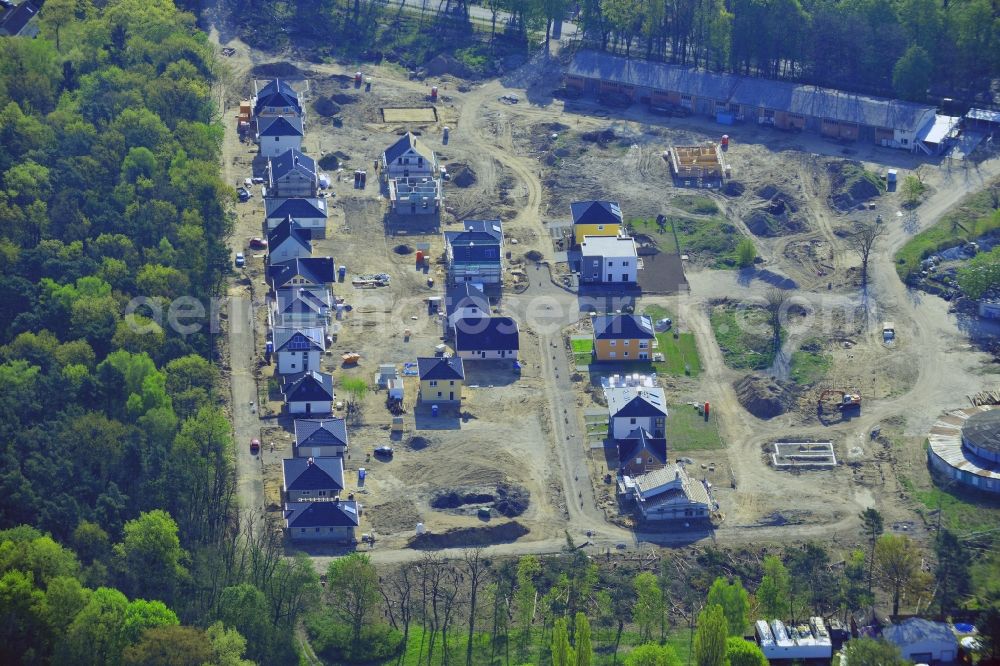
pixel 845 400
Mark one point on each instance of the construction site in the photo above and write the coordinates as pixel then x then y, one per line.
pixel 820 389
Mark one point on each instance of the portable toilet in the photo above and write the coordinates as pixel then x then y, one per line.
pixel 361 476
pixel 341 273
pixel 420 257
pixel 725 141
pixel 434 410
pixel 434 93
pixel 357 78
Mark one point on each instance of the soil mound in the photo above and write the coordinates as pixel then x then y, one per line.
pixel 418 443
pixel 326 107
pixel 273 69
pixel 851 184
pixel 342 98
pixel 533 255
pixel 461 174
pixel 764 397
pixel 603 137
pixel 470 536
pixel 734 188
pixel 507 499
pixel 445 64
pixel 769 223
pixel 403 249
pixel 333 160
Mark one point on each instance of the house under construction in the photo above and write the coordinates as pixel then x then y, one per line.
pixel 698 166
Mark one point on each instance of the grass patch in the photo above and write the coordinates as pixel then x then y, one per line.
pixel 714 237
pixel 695 205
pixel 744 336
pixel 582 350
pixel 657 312
pixel 680 355
pixel 852 173
pixel 973 217
pixel 809 363
pixel 687 430
pixel 961 512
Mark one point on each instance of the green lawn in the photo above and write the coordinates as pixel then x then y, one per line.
pixel 961 511
pixel 810 364
pixel 973 217
pixel 744 337
pixel 697 205
pixel 714 237
pixel 582 350
pixel 687 430
pixel 679 353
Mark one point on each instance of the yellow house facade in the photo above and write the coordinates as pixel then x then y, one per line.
pixel 441 379
pixel 595 218
pixel 623 338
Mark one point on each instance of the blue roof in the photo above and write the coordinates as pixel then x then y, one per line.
pixel 466 295
pixel 277 94
pixel 313 473
pixel 623 327
pixel 321 514
pixel 279 126
pixel 917 629
pixel 289 229
pixel 288 338
pixel 440 367
pixel 289 161
pixel 296 208
pixel 473 246
pixel 640 440
pixel 309 387
pixel 486 334
pixel 318 270
pixel 596 212
pixel 320 432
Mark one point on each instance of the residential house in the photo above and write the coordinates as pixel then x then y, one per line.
pixel 641 454
pixel 19 21
pixel 320 438
pixel 923 641
pixel 623 337
pixel 415 196
pixel 475 254
pixel 409 157
pixel 595 218
pixel 277 98
pixel 298 349
pixel 609 259
pixel 302 306
pixel 309 214
pixel 305 479
pixel 291 174
pixel 727 98
pixel 465 300
pixel 632 410
pixel 309 393
pixel 302 272
pixel 486 338
pixel 441 379
pixel 322 520
pixel 669 493
pixel 279 134
pixel 288 241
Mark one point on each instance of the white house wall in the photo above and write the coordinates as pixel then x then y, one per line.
pixel 488 355
pixel 313 407
pixel 623 425
pixel 272 146
pixel 290 362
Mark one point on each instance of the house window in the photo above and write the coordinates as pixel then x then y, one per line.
pixel 434 382
pixel 305 492
pixel 302 530
pixel 276 138
pixel 322 493
pixel 439 394
pixel 451 383
pixel 600 227
pixel 317 529
pixel 612 355
pixel 613 343
pixel 610 264
pixel 626 354
pixel 626 342
pixel 904 141
pixel 643 344
pixel 632 421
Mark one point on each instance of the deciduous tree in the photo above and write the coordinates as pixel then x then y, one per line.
pixel 710 638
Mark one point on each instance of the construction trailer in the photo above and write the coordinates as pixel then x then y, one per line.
pixel 782 643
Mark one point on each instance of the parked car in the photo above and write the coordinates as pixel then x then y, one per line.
pixel 255 446
pixel 386 451
pixel 509 99
pixel 664 324
pixel 243 194
pixel 258 244
pixel 241 260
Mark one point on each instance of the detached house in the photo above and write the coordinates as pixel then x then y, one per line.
pixel 641 454
pixel 409 157
pixel 486 338
pixel 415 196
pixel 287 241
pixel 322 520
pixel 320 438
pixel 465 301
pixel 19 20
pixel 309 214
pixel 595 218
pixel 302 272
pixel 302 306
pixel 632 410
pixel 623 337
pixel 474 255
pixel 304 479
pixel 277 98
pixel 441 379
pixel 669 494
pixel 291 174
pixel 298 349
pixel 608 259
pixel 278 134
pixel 309 393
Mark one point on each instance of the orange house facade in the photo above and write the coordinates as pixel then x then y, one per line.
pixel 623 338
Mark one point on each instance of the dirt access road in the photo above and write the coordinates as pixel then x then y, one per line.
pixel 925 321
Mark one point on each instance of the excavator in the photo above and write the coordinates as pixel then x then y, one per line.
pixel 846 400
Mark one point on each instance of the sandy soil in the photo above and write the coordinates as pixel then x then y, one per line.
pixel 529 161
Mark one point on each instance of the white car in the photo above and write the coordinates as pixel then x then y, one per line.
pixel 241 260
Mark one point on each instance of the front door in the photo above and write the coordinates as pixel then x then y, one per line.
pixel 482 354
pixel 451 395
pixel 309 408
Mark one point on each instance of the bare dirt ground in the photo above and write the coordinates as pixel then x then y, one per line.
pixel 524 163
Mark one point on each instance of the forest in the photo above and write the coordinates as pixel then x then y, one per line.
pixel 921 50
